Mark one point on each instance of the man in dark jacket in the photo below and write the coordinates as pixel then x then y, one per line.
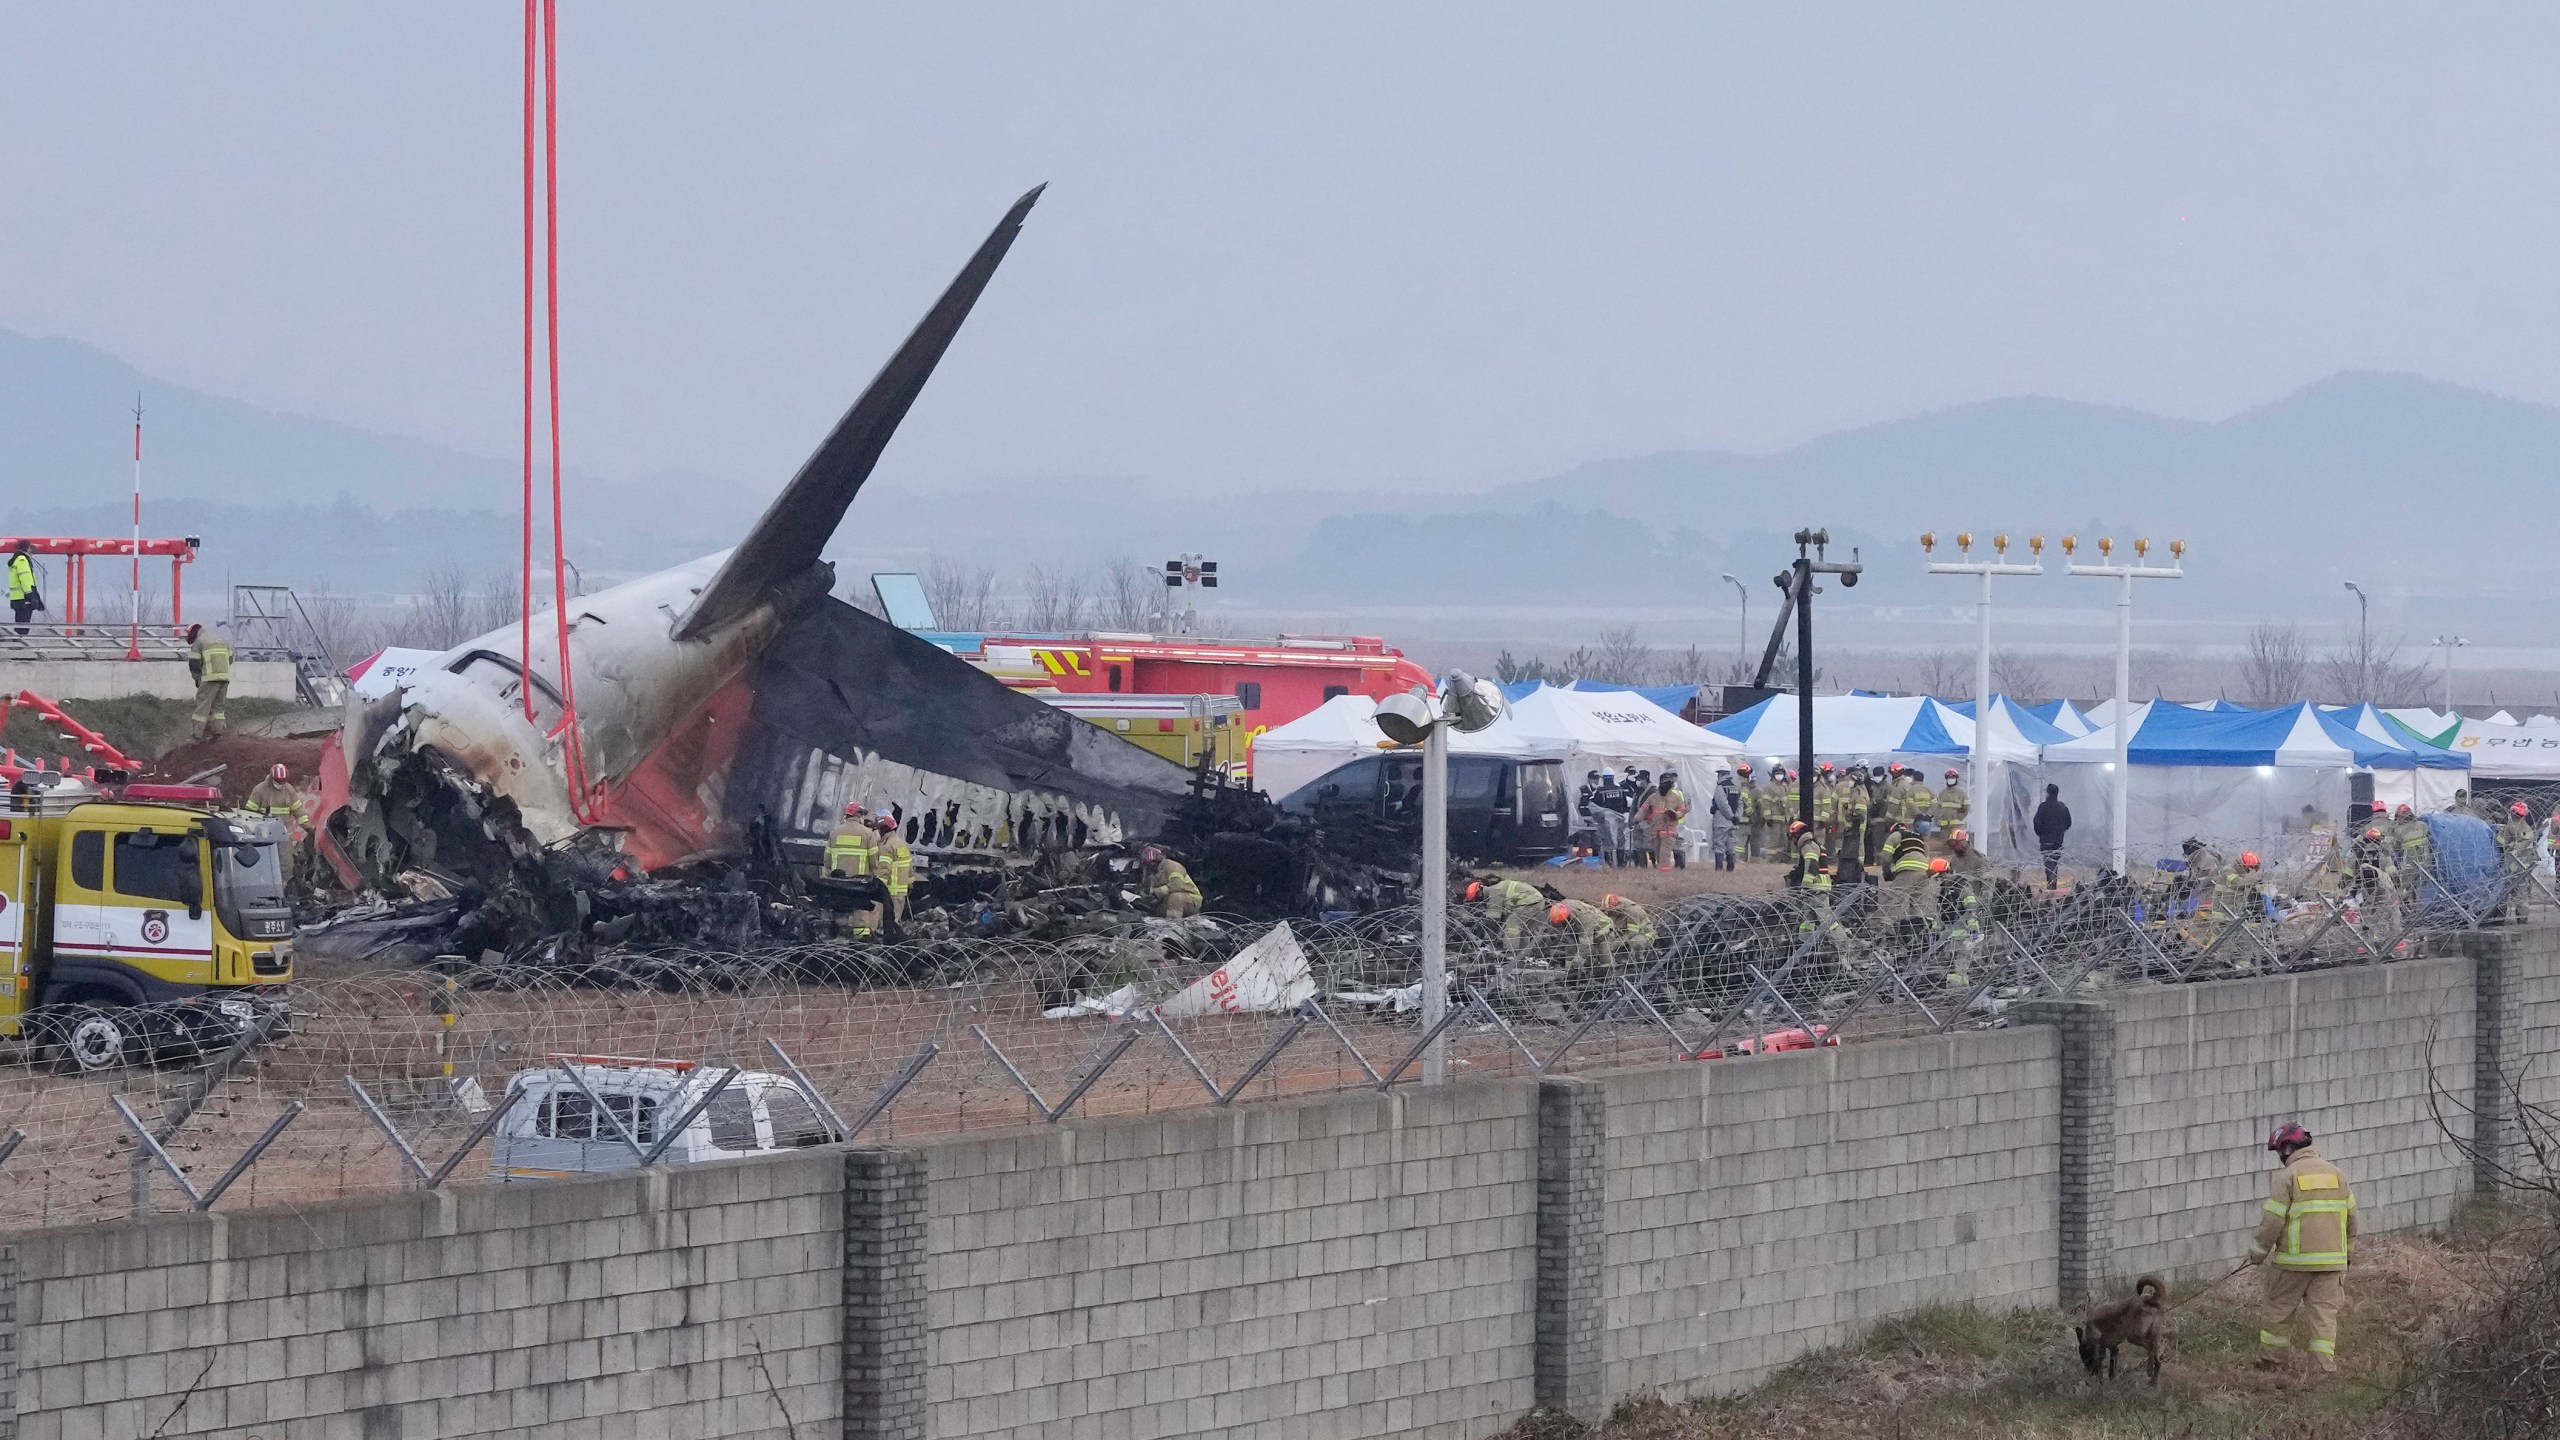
pixel 2053 821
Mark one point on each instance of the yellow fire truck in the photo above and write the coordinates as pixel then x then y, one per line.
pixel 138 924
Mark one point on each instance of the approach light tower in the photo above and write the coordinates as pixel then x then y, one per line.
pixel 2000 564
pixel 1466 705
pixel 2124 576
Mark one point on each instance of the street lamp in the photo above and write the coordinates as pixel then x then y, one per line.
pixel 1742 631
pixel 1982 634
pixel 1467 705
pixel 2450 643
pixel 2124 576
pixel 2364 651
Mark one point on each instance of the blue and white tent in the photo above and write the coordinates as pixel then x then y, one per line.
pixel 2227 775
pixel 2064 716
pixel 1674 698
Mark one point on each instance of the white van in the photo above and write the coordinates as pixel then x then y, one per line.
pixel 552 1129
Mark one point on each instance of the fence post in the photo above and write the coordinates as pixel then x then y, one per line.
pixel 2497 1043
pixel 884 1320
pixel 2086 1032
pixel 1572 1174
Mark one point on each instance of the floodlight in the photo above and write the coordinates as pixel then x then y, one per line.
pixel 1473 704
pixel 1405 719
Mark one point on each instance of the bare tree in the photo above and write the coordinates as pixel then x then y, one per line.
pixel 1942 673
pixel 2277 665
pixel 1055 597
pixel 1621 659
pixel 1579 663
pixel 1130 595
pixel 963 596
pixel 1691 666
pixel 2021 677
pixel 1508 667
pixel 2363 668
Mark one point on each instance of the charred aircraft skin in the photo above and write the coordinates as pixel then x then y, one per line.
pixel 708 696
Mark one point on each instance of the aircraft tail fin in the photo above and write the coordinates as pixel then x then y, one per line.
pixel 795 528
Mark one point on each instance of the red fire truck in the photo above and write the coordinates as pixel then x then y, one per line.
pixel 1276 681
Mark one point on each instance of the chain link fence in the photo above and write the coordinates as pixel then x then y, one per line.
pixel 385 1081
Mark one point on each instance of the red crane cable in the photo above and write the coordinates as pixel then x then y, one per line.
pixel 540 17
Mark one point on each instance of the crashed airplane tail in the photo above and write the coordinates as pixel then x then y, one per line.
pixel 731 691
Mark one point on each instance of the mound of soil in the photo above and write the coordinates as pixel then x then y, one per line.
pixel 244 759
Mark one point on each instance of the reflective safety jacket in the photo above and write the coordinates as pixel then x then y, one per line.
pixel 1951 807
pixel 1635 928
pixel 849 849
pixel 212 658
pixel 2412 845
pixel 1592 930
pixel 1514 905
pixel 895 863
pixel 1663 810
pixel 22 577
pixel 273 797
pixel 2310 1220
pixel 1908 860
pixel 1172 882
pixel 1826 802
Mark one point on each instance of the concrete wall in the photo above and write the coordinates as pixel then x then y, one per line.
pixel 1426 1263
pixel 625 1307
pixel 1350 1265
pixel 2203 1072
pixel 114 679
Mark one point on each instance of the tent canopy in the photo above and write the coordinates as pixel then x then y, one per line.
pixel 2295 735
pixel 2494 752
pixel 1674 698
pixel 1586 730
pixel 2371 723
pixel 1343 729
pixel 1851 727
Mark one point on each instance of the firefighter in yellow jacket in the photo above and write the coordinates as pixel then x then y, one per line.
pixel 209 661
pixel 2303 1238
pixel 893 863
pixel 1169 885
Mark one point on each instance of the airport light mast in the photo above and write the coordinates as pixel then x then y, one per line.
pixel 2000 564
pixel 2124 576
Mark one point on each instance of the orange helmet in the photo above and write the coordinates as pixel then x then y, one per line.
pixel 1741 767
pixel 1475 890
pixel 2371 833
pixel 1795 827
pixel 2248 859
pixel 1558 913
pixel 1612 902
pixel 1938 865
pixel 1894 769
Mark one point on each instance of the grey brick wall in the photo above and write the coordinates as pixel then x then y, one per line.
pixel 2531 1060
pixel 1572 1250
pixel 1760 1208
pixel 1349 1265
pixel 885 1350
pixel 2203 1072
pixel 700 1301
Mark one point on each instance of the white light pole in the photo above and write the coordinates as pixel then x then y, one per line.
pixel 2364 649
pixel 2450 643
pixel 1467 704
pixel 2124 576
pixel 1982 638
pixel 1742 630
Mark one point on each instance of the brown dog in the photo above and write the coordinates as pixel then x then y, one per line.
pixel 2142 1320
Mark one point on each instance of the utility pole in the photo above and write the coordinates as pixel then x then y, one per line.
pixel 1742 629
pixel 2124 576
pixel 2364 650
pixel 133 647
pixel 1985 569
pixel 1810 561
pixel 2450 643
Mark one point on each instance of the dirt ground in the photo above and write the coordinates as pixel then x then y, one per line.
pixel 1648 886
pixel 1959 1371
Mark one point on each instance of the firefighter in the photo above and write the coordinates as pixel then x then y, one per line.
pixel 23 597
pixel 894 862
pixel 1632 938
pixel 1950 807
pixel 1169 885
pixel 2413 851
pixel 209 661
pixel 1589 927
pixel 1511 904
pixel 2370 855
pixel 1777 807
pixel 2304 1237
pixel 1854 804
pixel 1905 866
pixel 1826 808
pixel 1660 814
pixel 1748 809
pixel 274 795
pixel 849 844
pixel 2516 837
pixel 2237 901
pixel 1590 800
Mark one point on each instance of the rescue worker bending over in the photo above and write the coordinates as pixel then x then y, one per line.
pixel 1906 874
pixel 1512 905
pixel 1631 940
pixel 1804 852
pixel 1169 885
pixel 209 661
pixel 2307 1229
pixel 894 863
pixel 1588 927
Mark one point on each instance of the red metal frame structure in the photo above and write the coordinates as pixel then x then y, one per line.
pixel 98 748
pixel 76 550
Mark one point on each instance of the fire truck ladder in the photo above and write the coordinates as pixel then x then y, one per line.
pixel 271 618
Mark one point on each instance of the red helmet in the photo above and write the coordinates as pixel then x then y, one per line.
pixel 2401 813
pixel 278 772
pixel 1824 767
pixel 1894 769
pixel 1475 890
pixel 1938 865
pixel 1559 913
pixel 2288 1136
pixel 1612 902
pixel 1795 827
pixel 1951 772
pixel 2248 859
pixel 2517 810
pixel 886 824
pixel 1959 839
pixel 2370 833
pixel 1741 767
pixel 852 808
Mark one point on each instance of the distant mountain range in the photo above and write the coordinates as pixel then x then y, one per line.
pixel 2432 495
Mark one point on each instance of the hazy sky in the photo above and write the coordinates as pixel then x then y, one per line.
pixel 1410 243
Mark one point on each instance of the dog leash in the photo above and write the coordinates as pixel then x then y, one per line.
pixel 2216 1285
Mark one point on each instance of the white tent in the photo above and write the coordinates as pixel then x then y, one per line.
pixel 1864 728
pixel 1608 729
pixel 1342 730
